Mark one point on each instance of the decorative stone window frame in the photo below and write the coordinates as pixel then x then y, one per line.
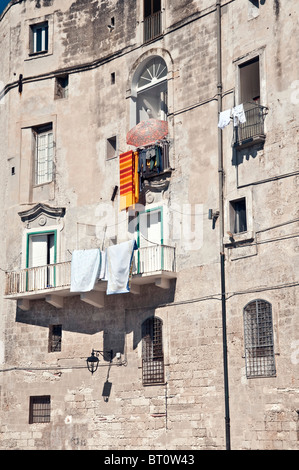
pixel 30 24
pixel 132 85
pixel 247 57
pixel 42 219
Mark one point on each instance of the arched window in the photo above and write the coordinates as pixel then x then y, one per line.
pixel 258 338
pixel 152 351
pixel 151 88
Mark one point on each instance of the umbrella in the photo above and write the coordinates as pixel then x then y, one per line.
pixel 147 132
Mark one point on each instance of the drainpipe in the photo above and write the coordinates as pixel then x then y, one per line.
pixel 221 228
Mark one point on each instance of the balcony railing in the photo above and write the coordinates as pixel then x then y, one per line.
pixel 154 258
pixel 253 129
pixel 38 278
pixel 152 26
pixel 57 277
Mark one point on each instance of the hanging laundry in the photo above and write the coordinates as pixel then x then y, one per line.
pixel 142 161
pixel 158 151
pixel 85 268
pixel 129 180
pixel 238 115
pixel 103 268
pixel 224 118
pixel 119 267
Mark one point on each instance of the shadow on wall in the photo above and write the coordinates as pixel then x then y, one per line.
pixel 240 156
pixel 122 315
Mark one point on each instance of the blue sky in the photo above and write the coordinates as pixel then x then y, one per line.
pixel 3 4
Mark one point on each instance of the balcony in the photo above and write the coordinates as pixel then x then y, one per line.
pixel 151 265
pixel 252 131
pixel 152 26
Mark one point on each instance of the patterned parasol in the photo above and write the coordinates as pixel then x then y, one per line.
pixel 147 132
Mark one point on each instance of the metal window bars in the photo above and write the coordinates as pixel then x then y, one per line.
pixel 258 337
pixel 253 128
pixel 40 409
pixel 152 26
pixel 152 352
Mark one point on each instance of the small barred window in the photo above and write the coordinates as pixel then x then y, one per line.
pixel 152 352
pixel 258 336
pixel 40 409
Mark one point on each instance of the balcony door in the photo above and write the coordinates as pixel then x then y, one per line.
pixel 41 257
pixel 150 241
pixel 152 19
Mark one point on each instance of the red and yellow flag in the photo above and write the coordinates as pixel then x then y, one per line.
pixel 129 179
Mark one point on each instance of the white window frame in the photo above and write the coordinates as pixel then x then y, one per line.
pixel 44 155
pixel 154 79
pixel 32 24
pixel 44 28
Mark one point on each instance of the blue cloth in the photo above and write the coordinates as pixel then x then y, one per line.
pixel 142 161
pixel 85 269
pixel 119 259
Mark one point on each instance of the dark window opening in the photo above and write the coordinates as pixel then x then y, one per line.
pixel 238 216
pixel 55 338
pixel 61 87
pixel 250 81
pixel 111 147
pixel 255 3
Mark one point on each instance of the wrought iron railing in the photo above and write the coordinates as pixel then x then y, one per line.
pixel 156 162
pixel 254 125
pixel 152 26
pixel 147 260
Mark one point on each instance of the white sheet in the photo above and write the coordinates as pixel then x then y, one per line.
pixel 119 259
pixel 85 268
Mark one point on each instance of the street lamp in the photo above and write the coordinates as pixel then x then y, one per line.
pixel 93 360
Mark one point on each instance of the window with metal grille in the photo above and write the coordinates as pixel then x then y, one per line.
pixel 152 19
pixel 259 342
pixel 152 352
pixel 40 409
pixel 55 336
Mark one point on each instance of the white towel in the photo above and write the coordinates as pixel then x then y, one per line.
pixel 119 259
pixel 238 115
pixel 85 267
pixel 224 118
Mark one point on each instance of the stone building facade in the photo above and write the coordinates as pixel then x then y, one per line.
pixel 203 352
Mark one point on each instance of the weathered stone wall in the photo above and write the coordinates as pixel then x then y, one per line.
pixel 187 412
